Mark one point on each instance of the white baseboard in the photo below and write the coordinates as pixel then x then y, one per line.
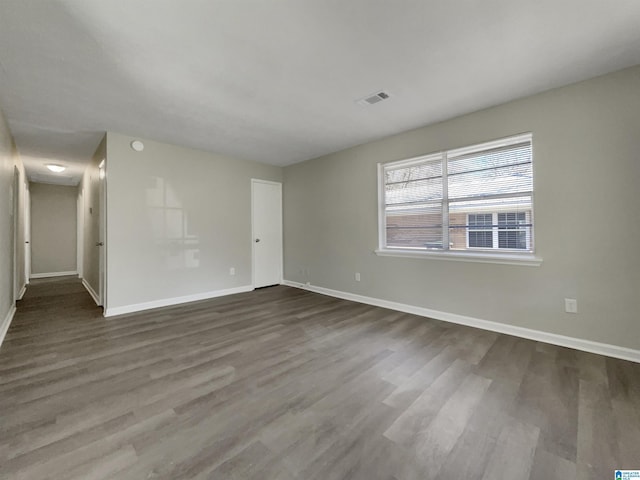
pixel 91 291
pixel 165 302
pixel 52 274
pixel 22 291
pixel 537 335
pixel 4 327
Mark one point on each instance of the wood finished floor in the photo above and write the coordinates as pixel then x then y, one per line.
pixel 282 383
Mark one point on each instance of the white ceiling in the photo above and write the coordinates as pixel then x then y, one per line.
pixel 276 81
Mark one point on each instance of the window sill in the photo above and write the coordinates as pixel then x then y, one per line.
pixel 523 259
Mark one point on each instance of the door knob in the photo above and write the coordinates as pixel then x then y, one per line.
pixel 257 240
pixel 27 241
pixel 99 244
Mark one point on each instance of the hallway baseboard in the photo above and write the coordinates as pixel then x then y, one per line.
pixel 22 291
pixel 4 328
pixel 53 274
pixel 91 291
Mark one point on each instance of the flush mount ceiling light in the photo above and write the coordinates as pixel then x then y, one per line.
pixel 137 145
pixel 56 168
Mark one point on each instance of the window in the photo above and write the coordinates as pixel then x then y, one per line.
pixel 480 230
pixel 512 230
pixel 477 198
pixel 506 230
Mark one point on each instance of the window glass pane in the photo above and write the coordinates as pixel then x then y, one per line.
pixel 414 184
pixel 480 220
pixel 429 169
pixel 512 239
pixel 511 204
pixel 481 239
pixel 513 230
pixel 497 157
pixel 500 181
pixel 413 192
pixel 511 219
pixel 414 228
pixel 512 213
pixel 480 230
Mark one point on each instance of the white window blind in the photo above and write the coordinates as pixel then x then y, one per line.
pixel 474 198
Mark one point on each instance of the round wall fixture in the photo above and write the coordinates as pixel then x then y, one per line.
pixel 137 145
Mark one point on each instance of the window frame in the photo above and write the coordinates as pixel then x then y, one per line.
pixel 472 254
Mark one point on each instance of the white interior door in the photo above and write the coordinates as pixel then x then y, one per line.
pixel 266 216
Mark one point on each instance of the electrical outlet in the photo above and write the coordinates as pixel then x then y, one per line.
pixel 571 305
pixel 357 276
pixel 232 271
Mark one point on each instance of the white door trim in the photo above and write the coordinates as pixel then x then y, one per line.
pixel 27 233
pixel 102 228
pixel 80 233
pixel 15 213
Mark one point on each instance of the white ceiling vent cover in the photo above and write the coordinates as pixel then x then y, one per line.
pixel 374 98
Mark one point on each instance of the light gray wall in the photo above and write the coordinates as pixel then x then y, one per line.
pixel 586 140
pixel 6 220
pixel 90 188
pixel 53 228
pixel 150 194
pixel 9 160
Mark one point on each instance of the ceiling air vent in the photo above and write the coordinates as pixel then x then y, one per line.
pixel 373 99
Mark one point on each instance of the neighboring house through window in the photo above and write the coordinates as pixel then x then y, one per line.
pixel 480 230
pixel 507 230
